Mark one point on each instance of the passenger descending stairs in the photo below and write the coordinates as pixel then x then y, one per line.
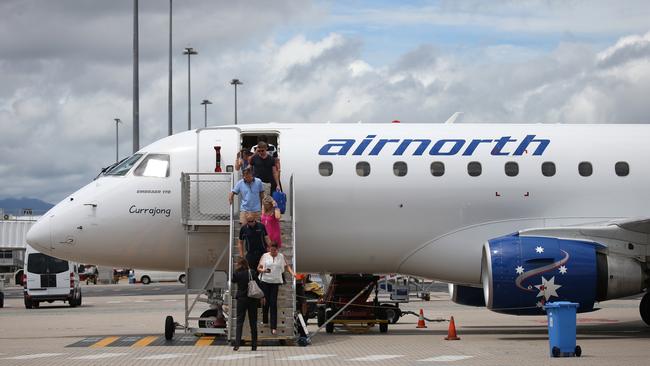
pixel 286 295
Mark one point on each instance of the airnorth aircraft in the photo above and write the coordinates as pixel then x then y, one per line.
pixel 512 216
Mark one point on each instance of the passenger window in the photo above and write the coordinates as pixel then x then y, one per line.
pixel 124 167
pixel 548 168
pixel 585 169
pixel 363 169
pixel 437 169
pixel 622 169
pixel 400 168
pixel 325 168
pixel 512 169
pixel 153 165
pixel 474 169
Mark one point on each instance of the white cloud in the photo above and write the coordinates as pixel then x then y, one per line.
pixel 62 88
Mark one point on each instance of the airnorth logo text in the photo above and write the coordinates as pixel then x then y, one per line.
pixel 503 146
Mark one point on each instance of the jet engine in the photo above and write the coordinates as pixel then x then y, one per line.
pixel 521 273
pixel 466 295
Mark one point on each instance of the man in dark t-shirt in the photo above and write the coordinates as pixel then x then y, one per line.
pixel 254 235
pixel 265 168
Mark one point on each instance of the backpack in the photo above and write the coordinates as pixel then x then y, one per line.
pixel 281 199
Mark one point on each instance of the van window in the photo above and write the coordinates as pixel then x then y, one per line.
pixel 400 168
pixel 363 169
pixel 474 169
pixel 154 165
pixel 40 263
pixel 548 168
pixel 622 169
pixel 325 168
pixel 585 169
pixel 124 167
pixel 437 168
pixel 512 169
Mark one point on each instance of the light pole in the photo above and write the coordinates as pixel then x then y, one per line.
pixel 189 51
pixel 136 81
pixel 169 91
pixel 205 103
pixel 236 82
pixel 117 139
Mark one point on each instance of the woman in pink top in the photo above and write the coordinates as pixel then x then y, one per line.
pixel 271 219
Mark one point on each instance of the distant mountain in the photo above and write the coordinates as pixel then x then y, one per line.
pixel 15 206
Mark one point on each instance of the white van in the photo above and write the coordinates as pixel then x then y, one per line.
pixel 49 279
pixel 146 277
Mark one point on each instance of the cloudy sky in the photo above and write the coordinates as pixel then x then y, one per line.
pixel 66 70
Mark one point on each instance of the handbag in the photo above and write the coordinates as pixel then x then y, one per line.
pixel 281 199
pixel 254 291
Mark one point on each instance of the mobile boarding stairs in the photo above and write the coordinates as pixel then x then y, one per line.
pixel 206 212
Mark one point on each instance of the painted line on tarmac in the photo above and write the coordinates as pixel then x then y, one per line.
pixel 104 342
pixel 99 356
pixel 376 358
pixel 204 341
pixel 165 356
pixel 306 357
pixel 34 356
pixel 144 342
pixel 236 357
pixel 446 358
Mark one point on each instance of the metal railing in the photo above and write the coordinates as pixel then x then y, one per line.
pixel 205 198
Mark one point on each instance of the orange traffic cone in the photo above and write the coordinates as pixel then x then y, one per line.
pixel 421 320
pixel 451 333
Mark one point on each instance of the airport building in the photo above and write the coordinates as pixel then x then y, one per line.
pixel 13 230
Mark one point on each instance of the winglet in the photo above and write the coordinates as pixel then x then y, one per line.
pixel 456 117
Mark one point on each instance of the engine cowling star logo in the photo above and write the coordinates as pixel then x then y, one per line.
pixel 548 288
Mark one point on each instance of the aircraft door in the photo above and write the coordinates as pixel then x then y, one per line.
pixel 216 153
pixel 217 149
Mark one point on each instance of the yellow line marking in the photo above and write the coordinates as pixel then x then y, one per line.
pixel 104 342
pixel 204 341
pixel 144 341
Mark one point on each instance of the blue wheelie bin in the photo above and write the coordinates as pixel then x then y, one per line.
pixel 562 328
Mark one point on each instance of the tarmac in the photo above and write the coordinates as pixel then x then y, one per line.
pixel 127 329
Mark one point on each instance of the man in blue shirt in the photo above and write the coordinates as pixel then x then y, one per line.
pixel 252 193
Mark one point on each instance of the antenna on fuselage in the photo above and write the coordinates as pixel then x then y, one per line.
pixel 456 117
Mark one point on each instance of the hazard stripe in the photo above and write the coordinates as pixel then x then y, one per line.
pixel 104 342
pixel 144 341
pixel 204 341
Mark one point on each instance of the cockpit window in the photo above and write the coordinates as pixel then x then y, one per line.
pixel 154 165
pixel 124 167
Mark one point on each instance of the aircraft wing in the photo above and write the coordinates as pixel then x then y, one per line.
pixel 628 236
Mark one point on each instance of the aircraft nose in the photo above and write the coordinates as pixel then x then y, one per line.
pixel 39 235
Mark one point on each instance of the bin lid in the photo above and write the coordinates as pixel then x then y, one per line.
pixel 561 304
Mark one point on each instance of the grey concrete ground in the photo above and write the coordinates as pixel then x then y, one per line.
pixel 613 335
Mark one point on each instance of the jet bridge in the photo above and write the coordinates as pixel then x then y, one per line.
pixel 205 211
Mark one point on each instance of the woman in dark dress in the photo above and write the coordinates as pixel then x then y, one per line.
pixel 242 275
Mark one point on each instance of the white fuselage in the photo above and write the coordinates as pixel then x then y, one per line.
pixel 418 224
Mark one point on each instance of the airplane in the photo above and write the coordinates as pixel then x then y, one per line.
pixel 511 215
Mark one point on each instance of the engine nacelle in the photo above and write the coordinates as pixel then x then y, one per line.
pixel 521 273
pixel 465 295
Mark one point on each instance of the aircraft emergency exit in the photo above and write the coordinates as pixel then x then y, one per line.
pixel 512 215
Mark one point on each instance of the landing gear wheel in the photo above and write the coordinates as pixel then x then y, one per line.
pixel 383 327
pixel 393 312
pixel 555 352
pixel 320 316
pixel 644 308
pixel 329 327
pixel 215 323
pixel 578 351
pixel 2 300
pixel 170 327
